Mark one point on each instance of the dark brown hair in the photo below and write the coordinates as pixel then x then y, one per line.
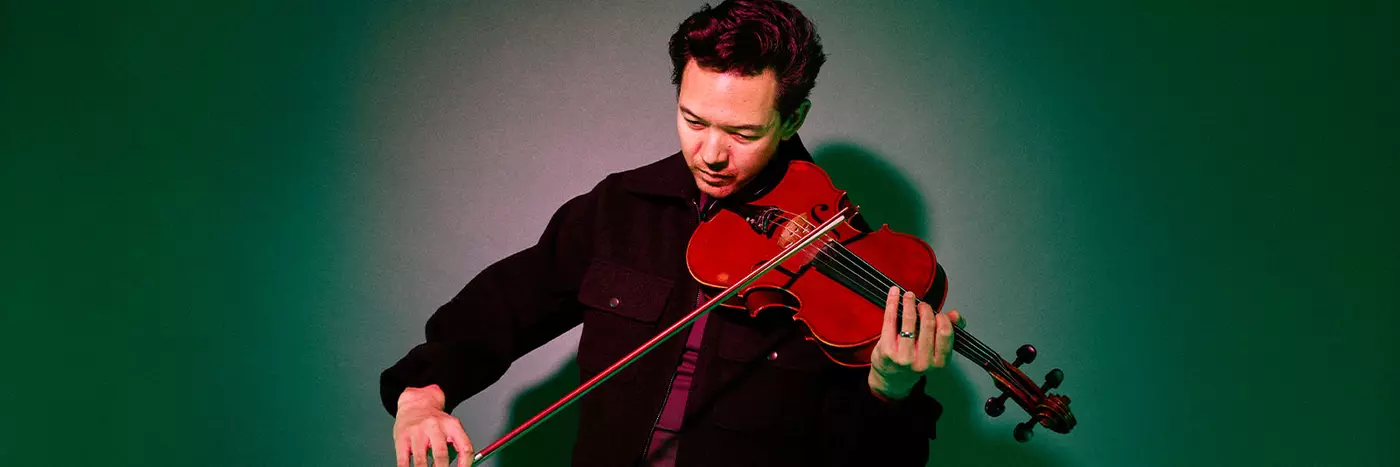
pixel 748 37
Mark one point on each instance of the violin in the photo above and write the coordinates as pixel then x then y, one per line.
pixel 793 248
pixel 837 286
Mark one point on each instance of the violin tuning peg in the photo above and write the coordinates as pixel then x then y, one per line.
pixel 995 405
pixel 1024 354
pixel 1023 431
pixel 1053 380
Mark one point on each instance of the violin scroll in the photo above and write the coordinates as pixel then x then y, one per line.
pixel 1048 410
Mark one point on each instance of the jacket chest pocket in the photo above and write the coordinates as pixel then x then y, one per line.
pixel 623 306
pixel 772 382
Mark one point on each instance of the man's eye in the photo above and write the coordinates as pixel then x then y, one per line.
pixel 694 124
pixel 748 137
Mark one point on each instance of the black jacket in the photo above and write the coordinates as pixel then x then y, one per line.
pixel 614 260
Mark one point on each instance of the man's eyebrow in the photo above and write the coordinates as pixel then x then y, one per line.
pixel 730 128
pixel 747 127
pixel 691 114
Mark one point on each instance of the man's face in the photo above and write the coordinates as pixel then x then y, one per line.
pixel 729 126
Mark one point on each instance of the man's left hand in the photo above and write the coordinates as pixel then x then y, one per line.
pixel 909 346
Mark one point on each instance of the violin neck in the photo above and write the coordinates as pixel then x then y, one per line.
pixel 965 344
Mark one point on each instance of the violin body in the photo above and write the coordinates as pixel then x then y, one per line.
pixel 841 319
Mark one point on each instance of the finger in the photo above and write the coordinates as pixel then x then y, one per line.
pixel 418 449
pixel 459 439
pixel 908 323
pixel 888 330
pixel 928 336
pixel 944 343
pixel 439 445
pixel 401 451
pixel 957 318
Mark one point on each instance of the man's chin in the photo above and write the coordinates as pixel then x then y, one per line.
pixel 717 191
pixel 713 191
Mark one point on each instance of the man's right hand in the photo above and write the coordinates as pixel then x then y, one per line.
pixel 421 425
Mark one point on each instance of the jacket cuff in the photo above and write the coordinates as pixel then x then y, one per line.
pixel 430 364
pixel 919 412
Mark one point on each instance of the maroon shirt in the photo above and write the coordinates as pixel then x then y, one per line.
pixel 661 447
pixel 661 450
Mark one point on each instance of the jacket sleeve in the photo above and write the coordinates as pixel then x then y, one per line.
pixel 913 418
pixel 509 309
pixel 873 431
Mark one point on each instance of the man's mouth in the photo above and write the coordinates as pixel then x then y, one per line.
pixel 713 179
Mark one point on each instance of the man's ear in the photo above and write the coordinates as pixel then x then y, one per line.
pixel 794 121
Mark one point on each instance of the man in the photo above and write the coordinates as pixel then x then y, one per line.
pixel 732 390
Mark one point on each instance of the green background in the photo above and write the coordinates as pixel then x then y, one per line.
pixel 221 221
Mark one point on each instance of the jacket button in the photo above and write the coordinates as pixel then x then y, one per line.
pixel 773 356
pixel 612 303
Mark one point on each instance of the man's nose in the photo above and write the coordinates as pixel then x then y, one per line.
pixel 715 154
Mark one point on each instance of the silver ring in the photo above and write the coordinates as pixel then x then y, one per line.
pixel 906 334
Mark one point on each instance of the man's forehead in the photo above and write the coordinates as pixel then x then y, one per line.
pixel 729 98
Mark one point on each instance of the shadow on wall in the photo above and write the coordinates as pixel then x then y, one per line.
pixel 878 189
pixel 886 196
pixel 553 442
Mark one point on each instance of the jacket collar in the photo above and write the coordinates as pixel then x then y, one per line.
pixel 670 177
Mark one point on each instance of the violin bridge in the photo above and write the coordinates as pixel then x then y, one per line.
pixel 794 229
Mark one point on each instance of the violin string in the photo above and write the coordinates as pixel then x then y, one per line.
pixel 852 263
pixel 968 345
pixel 872 284
pixel 884 282
pixel 869 289
pixel 971 345
pixel 964 342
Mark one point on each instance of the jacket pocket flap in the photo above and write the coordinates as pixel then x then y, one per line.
pixel 786 348
pixel 622 290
